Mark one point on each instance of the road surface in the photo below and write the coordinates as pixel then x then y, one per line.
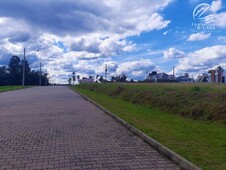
pixel 55 128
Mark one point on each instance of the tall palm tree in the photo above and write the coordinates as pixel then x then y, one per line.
pixel 219 70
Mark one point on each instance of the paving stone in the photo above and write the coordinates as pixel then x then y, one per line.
pixel 55 128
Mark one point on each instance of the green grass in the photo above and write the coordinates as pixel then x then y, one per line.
pixel 9 88
pixel 201 142
pixel 197 101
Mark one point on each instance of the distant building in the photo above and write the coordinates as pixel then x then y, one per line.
pixel 154 76
pixel 86 80
pixel 184 78
pixel 162 76
pixel 171 77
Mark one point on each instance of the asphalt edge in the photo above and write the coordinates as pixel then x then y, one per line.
pixel 169 154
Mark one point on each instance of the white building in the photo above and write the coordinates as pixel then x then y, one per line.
pixel 86 80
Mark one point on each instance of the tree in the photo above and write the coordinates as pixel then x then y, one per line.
pixel 27 67
pixel 15 75
pixel 132 81
pixel 203 78
pixel 12 75
pixel 27 70
pixel 73 77
pixel 69 81
pixel 119 78
pixel 3 70
pixel 4 76
pixel 101 79
pixel 186 75
pixel 153 73
pixel 78 77
pixel 219 70
pixel 113 79
pixel 32 78
pixel 122 78
pixel 46 79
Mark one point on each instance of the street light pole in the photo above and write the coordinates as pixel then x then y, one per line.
pixel 40 75
pixel 23 79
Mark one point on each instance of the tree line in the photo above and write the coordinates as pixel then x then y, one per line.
pixel 99 78
pixel 12 74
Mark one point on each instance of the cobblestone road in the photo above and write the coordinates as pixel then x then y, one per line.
pixel 55 128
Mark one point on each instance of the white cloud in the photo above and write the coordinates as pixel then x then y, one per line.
pixel 221 19
pixel 112 67
pixel 173 53
pixel 87 30
pixel 198 37
pixel 166 32
pixel 202 60
pixel 136 69
pixel 222 38
pixel 217 5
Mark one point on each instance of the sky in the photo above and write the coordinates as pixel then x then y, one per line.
pixel 131 37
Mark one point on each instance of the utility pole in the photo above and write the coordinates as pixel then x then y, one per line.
pixel 173 70
pixel 23 79
pixel 106 70
pixel 40 75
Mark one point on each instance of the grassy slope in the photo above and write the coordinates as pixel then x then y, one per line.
pixel 9 88
pixel 201 142
pixel 199 101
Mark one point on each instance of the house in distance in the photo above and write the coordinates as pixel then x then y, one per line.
pixel 159 77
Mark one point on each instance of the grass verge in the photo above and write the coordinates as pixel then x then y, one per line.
pixel 202 143
pixel 10 88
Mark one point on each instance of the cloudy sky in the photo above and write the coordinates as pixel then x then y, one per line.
pixel 132 37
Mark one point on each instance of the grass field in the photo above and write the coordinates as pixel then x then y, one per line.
pixel 199 138
pixel 9 88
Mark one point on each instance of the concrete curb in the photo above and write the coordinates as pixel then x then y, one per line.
pixel 174 157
